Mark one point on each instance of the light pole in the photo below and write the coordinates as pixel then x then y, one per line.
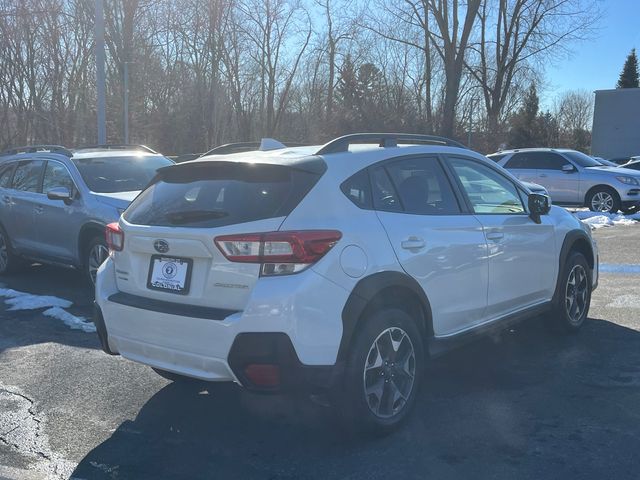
pixel 473 101
pixel 126 102
pixel 100 75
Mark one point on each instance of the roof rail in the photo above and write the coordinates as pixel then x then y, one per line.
pixel 386 140
pixel 38 148
pixel 118 146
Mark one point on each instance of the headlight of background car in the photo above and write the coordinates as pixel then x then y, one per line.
pixel 628 180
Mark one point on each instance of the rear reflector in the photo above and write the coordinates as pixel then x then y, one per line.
pixel 263 374
pixel 280 253
pixel 115 237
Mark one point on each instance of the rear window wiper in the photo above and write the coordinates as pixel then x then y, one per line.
pixel 178 218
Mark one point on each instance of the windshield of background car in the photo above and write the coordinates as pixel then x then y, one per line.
pixel 119 174
pixel 220 193
pixel 582 160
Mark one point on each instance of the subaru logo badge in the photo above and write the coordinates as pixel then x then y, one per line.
pixel 161 246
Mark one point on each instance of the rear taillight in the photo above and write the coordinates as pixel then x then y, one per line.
pixel 280 253
pixel 115 237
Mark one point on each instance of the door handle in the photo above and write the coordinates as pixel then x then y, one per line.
pixel 38 209
pixel 6 199
pixel 495 235
pixel 543 175
pixel 412 243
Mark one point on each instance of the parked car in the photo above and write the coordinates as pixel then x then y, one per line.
pixel 239 147
pixel 606 163
pixel 633 165
pixel 339 268
pixel 56 202
pixel 620 160
pixel 575 179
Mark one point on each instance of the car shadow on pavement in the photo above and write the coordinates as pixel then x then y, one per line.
pixel 524 404
pixel 28 326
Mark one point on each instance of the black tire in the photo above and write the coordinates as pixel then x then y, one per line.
pixel 603 199
pixel 9 261
pixel 97 245
pixel 568 313
pixel 356 408
pixel 630 210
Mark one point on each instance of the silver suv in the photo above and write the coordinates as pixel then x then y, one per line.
pixel 55 203
pixel 575 179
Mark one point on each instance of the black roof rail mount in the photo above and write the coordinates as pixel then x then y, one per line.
pixel 386 140
pixel 38 148
pixel 117 146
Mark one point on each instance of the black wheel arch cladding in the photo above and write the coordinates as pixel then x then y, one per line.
pixel 367 291
pixel 574 241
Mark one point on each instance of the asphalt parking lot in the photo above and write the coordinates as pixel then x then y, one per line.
pixel 528 403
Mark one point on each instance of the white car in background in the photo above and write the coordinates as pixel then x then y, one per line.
pixel 574 179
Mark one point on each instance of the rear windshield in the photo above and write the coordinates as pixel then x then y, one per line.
pixel 496 157
pixel 119 174
pixel 220 193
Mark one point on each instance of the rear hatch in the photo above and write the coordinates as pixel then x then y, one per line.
pixel 169 253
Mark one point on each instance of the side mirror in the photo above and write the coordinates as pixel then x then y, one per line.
pixel 538 205
pixel 568 168
pixel 60 193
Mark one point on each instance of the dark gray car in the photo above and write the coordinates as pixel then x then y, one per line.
pixel 55 203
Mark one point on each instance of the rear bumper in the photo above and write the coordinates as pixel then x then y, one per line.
pixel 288 327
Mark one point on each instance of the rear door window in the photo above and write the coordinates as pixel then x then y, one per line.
pixel 6 171
pixel 27 176
pixel 528 160
pixel 423 187
pixel 220 193
pixel 384 195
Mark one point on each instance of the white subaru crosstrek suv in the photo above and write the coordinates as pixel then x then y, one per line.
pixel 339 268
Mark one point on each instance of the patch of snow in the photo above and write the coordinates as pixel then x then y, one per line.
pixel 71 321
pixel 602 219
pixel 26 301
pixel 54 308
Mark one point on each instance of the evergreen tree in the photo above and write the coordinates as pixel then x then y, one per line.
pixel 347 87
pixel 629 75
pixel 525 125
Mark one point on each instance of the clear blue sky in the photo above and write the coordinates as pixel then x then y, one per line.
pixel 596 64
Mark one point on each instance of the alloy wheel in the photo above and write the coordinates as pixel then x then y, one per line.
pixel 97 255
pixel 602 202
pixel 576 294
pixel 389 372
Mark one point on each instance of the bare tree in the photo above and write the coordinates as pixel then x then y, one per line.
pixel 271 26
pixel 513 34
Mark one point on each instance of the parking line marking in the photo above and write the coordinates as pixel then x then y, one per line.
pixel 621 268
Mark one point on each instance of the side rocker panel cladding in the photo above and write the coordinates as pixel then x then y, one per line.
pixel 366 291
